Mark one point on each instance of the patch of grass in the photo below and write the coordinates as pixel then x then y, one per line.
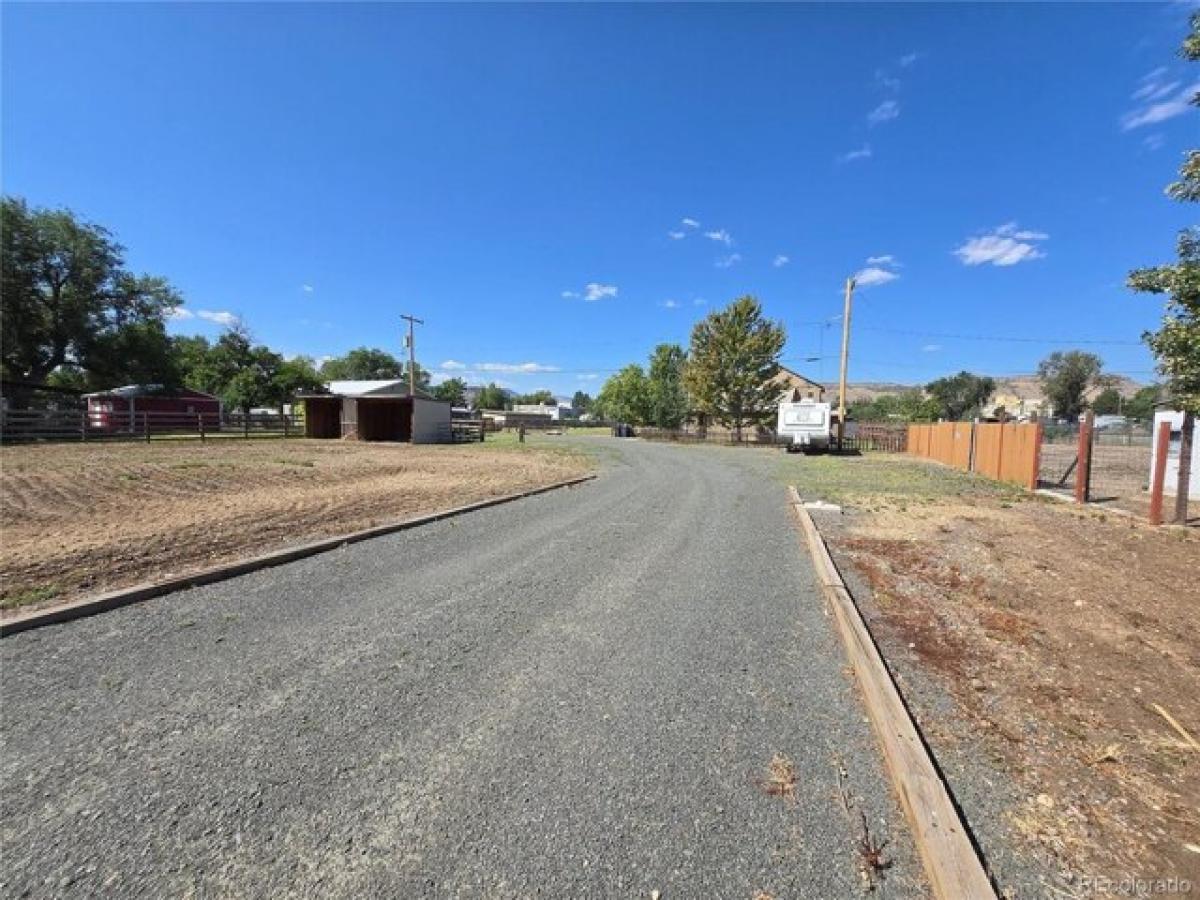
pixel 304 463
pixel 25 597
pixel 845 479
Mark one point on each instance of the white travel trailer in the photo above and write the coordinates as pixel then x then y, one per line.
pixel 807 423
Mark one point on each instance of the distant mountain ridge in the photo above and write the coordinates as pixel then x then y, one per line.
pixel 1027 387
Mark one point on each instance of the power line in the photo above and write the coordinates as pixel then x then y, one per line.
pixel 1001 338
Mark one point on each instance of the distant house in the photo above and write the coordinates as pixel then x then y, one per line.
pixel 1017 406
pixel 135 407
pixel 376 410
pixel 794 387
pixel 556 411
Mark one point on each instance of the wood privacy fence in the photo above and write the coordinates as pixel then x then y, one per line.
pixel 1006 452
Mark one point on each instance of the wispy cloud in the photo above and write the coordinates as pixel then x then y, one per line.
pixel 873 275
pixel 592 291
pixel 452 365
pixel 1004 246
pixel 1154 141
pixel 515 368
pixel 724 262
pixel 689 223
pixel 307 288
pixel 863 153
pixel 698 301
pixel 179 314
pixel 886 81
pixel 721 236
pixel 676 235
pixel 587 376
pixel 671 304
pixel 931 348
pixel 1154 86
pixel 908 59
pixel 1160 101
pixel 879 270
pixel 781 260
pixel 884 112
pixel 218 316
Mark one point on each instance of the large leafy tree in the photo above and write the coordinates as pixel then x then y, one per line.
pixel 961 395
pixel 733 357
pixel 537 398
pixel 668 401
pixel 1176 344
pixel 297 375
pixel 491 396
pixel 242 374
pixel 581 402
pixel 908 406
pixel 452 390
pixel 362 364
pixel 69 302
pixel 1067 377
pixel 625 397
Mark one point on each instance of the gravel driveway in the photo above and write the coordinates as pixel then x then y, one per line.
pixel 574 695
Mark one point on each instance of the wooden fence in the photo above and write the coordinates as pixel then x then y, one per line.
pixel 80 425
pixel 1006 452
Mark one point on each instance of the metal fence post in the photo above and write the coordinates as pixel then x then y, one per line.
pixel 1161 444
pixel 1083 471
pixel 246 424
pixel 200 425
pixel 83 425
pixel 146 426
pixel 1184 485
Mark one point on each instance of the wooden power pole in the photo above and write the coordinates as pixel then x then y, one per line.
pixel 841 429
pixel 412 354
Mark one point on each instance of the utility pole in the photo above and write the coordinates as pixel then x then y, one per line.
pixel 845 358
pixel 412 354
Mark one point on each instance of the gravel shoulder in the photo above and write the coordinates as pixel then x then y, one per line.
pixel 581 694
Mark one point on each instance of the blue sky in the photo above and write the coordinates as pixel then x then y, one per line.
pixel 561 187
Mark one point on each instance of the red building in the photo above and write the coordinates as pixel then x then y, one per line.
pixel 136 407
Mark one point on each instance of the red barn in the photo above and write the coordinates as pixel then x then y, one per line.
pixel 135 406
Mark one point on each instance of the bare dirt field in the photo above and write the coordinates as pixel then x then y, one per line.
pixel 1059 635
pixel 82 518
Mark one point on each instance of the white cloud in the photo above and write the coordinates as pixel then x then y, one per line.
pixel 721 236
pixel 1153 112
pixel 594 291
pixel 780 261
pixel 671 304
pixel 873 275
pixel 690 223
pixel 931 348
pixel 307 288
pixel 884 112
pixel 452 365
pixel 179 314
pixel 724 262
pixel 676 235
pixel 515 368
pixel 219 316
pixel 864 153
pixel 569 295
pixel 887 81
pixel 1005 246
pixel 877 271
pixel 1152 85
pixel 908 59
pixel 1153 141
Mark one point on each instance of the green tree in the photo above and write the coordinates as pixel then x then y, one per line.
pixel 452 390
pixel 491 396
pixel 69 300
pixel 422 379
pixel 537 398
pixel 908 406
pixel 962 395
pixel 362 364
pixel 242 374
pixel 1107 402
pixel 1066 377
pixel 733 357
pixel 625 397
pixel 581 402
pixel 1176 345
pixel 297 375
pixel 667 399
pixel 1142 404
